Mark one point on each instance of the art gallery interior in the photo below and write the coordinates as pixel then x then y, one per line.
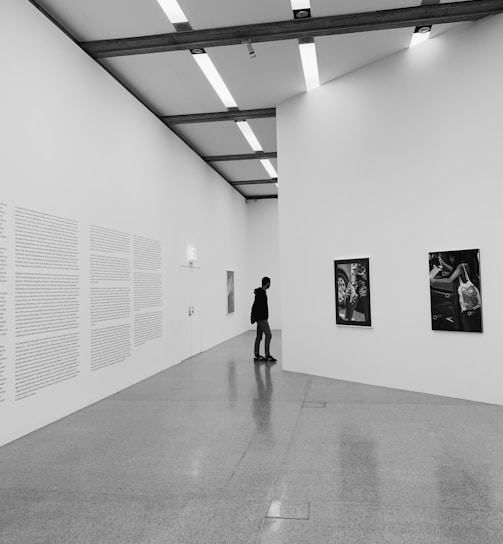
pixel 131 409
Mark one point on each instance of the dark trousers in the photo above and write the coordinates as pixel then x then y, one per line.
pixel 263 328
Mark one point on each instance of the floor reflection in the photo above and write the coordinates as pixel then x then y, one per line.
pixel 232 389
pixel 463 487
pixel 360 481
pixel 359 466
pixel 261 405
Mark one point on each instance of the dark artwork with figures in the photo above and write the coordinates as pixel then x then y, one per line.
pixel 352 292
pixel 230 291
pixel 456 302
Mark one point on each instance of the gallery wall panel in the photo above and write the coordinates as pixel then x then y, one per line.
pixel 99 203
pixel 403 159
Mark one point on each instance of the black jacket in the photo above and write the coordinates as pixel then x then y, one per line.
pixel 260 311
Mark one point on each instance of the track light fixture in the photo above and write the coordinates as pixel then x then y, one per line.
pixel 251 51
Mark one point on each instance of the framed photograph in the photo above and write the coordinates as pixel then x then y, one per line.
pixel 230 291
pixel 455 293
pixel 352 292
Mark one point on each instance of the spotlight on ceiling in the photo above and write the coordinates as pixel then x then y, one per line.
pixel 301 13
pixel 182 27
pixel 421 34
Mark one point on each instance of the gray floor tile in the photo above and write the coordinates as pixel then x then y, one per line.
pixel 210 521
pixel 353 524
pixel 46 517
pixel 197 453
pixel 338 391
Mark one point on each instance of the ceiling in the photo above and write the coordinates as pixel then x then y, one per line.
pixel 168 81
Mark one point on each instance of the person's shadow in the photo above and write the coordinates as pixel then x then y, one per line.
pixel 262 402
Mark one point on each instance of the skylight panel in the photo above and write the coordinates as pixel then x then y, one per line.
pixel 248 133
pixel 300 4
pixel 173 11
pixel 267 164
pixel 309 65
pixel 421 34
pixel 208 68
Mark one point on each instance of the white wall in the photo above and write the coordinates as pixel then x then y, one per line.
pixel 75 144
pixel 263 255
pixel 395 160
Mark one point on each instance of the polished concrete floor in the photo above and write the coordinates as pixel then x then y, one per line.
pixel 219 450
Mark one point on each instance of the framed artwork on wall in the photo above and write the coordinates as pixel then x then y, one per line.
pixel 230 291
pixel 455 294
pixel 352 292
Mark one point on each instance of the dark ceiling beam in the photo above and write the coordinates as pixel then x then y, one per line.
pixel 255 181
pixel 423 15
pixel 229 115
pixel 260 197
pixel 242 156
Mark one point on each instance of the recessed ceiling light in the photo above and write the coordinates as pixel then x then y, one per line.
pixel 267 164
pixel 173 11
pixel 421 34
pixel 212 75
pixel 301 13
pixel 248 133
pixel 309 65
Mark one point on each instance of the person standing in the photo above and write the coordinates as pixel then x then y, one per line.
pixel 260 315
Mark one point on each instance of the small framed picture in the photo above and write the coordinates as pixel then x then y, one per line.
pixel 455 291
pixel 352 292
pixel 230 291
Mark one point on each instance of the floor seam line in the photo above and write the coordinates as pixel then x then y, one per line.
pixel 243 456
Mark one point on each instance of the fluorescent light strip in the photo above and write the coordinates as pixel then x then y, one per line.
pixel 215 79
pixel 419 37
pixel 300 4
pixel 248 133
pixel 173 11
pixel 267 164
pixel 309 65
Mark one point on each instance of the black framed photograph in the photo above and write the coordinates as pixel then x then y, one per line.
pixel 352 292
pixel 230 291
pixel 455 292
